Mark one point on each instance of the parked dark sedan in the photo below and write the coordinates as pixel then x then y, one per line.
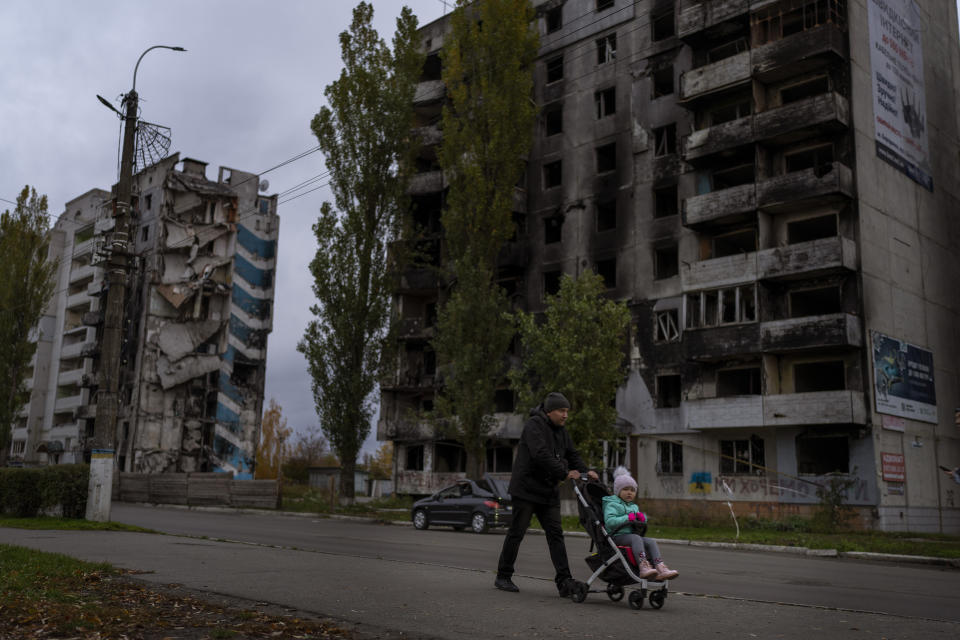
pixel 478 505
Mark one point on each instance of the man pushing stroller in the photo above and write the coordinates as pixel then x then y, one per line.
pixel 545 458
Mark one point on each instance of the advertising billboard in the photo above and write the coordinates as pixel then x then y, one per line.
pixel 903 383
pixel 899 95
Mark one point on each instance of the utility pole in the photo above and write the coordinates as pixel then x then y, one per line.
pixel 102 453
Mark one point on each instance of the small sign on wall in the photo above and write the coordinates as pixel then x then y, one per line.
pixel 894 469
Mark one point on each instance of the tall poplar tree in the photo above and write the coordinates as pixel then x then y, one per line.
pixel 365 134
pixel 578 351
pixel 487 130
pixel 27 281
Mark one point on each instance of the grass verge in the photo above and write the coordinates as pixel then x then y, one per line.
pixel 68 524
pixel 48 595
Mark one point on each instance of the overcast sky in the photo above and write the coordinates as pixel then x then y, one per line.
pixel 242 96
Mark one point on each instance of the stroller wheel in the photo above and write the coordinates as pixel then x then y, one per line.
pixel 636 599
pixel 657 598
pixel 615 592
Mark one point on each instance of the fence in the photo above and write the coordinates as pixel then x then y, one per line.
pixel 197 489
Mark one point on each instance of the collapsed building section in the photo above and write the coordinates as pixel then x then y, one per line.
pixel 198 319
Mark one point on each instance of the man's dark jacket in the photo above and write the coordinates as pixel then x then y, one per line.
pixel 544 458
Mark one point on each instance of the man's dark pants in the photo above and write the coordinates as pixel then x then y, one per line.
pixel 549 517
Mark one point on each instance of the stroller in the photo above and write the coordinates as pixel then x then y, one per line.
pixel 614 565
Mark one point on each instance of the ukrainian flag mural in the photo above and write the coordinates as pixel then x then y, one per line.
pixel 701 482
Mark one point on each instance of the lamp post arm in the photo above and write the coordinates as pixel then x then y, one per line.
pixel 156 46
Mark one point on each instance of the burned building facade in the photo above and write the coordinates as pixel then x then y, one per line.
pixel 198 313
pixel 737 173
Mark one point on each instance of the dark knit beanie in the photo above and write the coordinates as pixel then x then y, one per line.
pixel 554 401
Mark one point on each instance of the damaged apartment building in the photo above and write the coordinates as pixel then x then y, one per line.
pixel 198 312
pixel 772 187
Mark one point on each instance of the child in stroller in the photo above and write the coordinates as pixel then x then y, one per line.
pixel 615 565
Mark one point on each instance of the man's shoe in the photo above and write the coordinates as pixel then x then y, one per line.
pixel 567 587
pixel 505 584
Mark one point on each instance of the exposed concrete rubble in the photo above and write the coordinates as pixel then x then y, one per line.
pixel 198 322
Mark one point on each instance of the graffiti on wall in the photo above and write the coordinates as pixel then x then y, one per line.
pixel 759 487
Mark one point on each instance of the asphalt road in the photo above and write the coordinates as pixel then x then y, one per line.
pixel 438 583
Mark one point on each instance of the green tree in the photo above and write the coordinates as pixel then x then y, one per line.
pixel 577 350
pixel 365 136
pixel 27 281
pixel 487 129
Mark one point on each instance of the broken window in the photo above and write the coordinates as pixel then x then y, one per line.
pixel 145 233
pixel 731 305
pixel 552 229
pixel 727 50
pixel 666 263
pixel 503 401
pixel 149 201
pixel 607 157
pixel 603 5
pixel 732 176
pixel 264 205
pixel 819 158
pixel 665 140
pixel 815 302
pixel 606 48
pixel 665 201
pixel 414 458
pixel 735 243
pixel 812 229
pixel 729 112
pixel 552 174
pixel 554 18
pixel 666 326
pixel 606 215
pixel 553 119
pixel 668 391
pixel 662 82
pixel 429 362
pixel 554 69
pixel 738 382
pixel 818 455
pixel 662 25
pixel 806 89
pixel 779 21
pixel 499 459
pixel 669 457
pixel 742 456
pixel 551 282
pixel 818 376
pixel 450 457
pixel 605 101
pixel 607 269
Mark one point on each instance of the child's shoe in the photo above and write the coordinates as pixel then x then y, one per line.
pixel 665 573
pixel 645 570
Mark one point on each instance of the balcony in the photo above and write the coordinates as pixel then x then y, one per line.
pixel 407 379
pixel 808 259
pixel 81 273
pixel 799 53
pixel 822 407
pixel 712 78
pixel 771 62
pixel 429 135
pixel 694 16
pixel 78 300
pixel 719 272
pixel 825 113
pixel 405 430
pixel 514 254
pixel 835 330
pixel 426 182
pixel 414 329
pixel 84 247
pixel 721 342
pixel 418 280
pixel 720 207
pixel 68 403
pixel 70 377
pixel 722 137
pixel 74 350
pixel 429 92
pixel 798 190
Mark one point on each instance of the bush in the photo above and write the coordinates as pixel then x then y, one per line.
pixel 27 493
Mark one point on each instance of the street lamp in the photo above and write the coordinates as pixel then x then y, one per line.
pixel 102 449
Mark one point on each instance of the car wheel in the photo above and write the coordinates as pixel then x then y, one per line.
pixel 479 523
pixel 420 520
